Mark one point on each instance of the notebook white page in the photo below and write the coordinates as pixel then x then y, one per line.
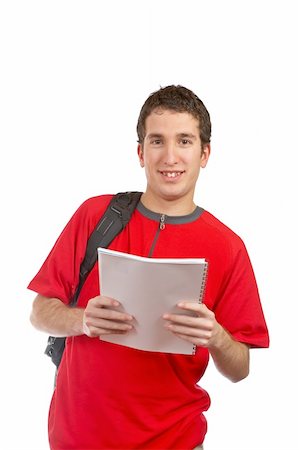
pixel 147 288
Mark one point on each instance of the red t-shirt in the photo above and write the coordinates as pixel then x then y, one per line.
pixel 109 396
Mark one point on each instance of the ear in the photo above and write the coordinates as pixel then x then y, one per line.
pixel 205 154
pixel 140 155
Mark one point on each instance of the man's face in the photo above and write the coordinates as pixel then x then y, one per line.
pixel 172 155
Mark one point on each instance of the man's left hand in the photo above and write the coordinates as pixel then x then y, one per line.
pixel 201 328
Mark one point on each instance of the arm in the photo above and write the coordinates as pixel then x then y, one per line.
pixel 230 356
pixel 54 317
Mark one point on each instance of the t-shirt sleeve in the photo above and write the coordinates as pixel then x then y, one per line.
pixel 239 308
pixel 58 277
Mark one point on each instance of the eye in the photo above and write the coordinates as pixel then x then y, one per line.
pixel 185 141
pixel 156 142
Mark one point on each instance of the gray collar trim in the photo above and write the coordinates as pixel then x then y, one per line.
pixel 175 220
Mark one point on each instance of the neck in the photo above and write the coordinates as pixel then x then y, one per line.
pixel 170 207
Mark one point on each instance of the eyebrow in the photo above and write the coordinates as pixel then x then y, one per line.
pixel 154 135
pixel 181 135
pixel 187 135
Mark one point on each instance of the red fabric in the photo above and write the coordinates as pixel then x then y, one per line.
pixel 109 396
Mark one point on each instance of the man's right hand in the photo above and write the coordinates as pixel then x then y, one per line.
pixel 101 316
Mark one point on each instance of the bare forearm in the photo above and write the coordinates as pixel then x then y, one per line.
pixel 52 316
pixel 230 357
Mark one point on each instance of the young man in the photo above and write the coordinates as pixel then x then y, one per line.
pixel 110 396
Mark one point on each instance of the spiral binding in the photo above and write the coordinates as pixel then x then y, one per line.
pixel 202 292
pixel 204 282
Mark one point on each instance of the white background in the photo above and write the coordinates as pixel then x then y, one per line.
pixel 74 76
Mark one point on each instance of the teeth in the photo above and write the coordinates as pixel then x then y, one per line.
pixel 171 174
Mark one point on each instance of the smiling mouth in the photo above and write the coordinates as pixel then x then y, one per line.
pixel 171 174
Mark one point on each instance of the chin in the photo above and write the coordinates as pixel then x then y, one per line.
pixel 172 195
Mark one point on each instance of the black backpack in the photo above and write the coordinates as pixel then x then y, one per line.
pixel 113 221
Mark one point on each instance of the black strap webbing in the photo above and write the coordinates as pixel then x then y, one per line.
pixel 113 221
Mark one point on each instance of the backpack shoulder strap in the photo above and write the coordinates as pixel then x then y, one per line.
pixel 113 221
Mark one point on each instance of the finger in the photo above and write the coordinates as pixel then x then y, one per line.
pixel 98 332
pixel 200 342
pixel 108 325
pixel 112 325
pixel 99 304
pixel 112 314
pixel 189 331
pixel 190 321
pixel 198 308
pixel 102 300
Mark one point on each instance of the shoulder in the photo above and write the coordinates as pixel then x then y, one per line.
pixel 220 232
pixel 88 214
pixel 93 206
pixel 93 203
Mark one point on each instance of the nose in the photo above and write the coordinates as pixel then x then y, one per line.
pixel 170 156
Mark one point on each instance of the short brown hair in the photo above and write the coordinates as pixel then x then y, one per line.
pixel 180 99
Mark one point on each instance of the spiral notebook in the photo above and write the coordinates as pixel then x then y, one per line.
pixel 147 288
